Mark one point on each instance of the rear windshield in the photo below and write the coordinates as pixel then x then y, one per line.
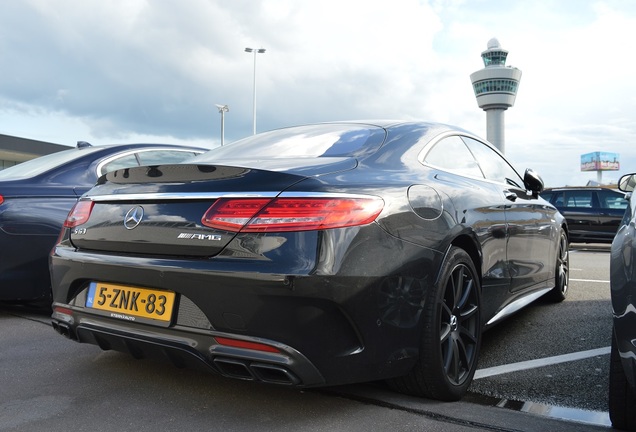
pixel 327 140
pixel 42 164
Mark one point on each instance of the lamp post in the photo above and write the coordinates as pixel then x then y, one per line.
pixel 222 110
pixel 255 51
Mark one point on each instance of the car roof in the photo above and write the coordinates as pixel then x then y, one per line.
pixel 569 188
pixel 83 151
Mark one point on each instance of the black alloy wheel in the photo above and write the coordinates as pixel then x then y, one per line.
pixel 562 271
pixel 451 333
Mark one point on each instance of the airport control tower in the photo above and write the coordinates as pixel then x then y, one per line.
pixel 495 88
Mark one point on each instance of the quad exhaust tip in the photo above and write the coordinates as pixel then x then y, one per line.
pixel 64 330
pixel 249 371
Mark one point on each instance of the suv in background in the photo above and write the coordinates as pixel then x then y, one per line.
pixel 593 214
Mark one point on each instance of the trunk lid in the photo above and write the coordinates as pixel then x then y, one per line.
pixel 157 210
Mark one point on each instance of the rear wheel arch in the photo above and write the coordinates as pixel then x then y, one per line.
pixel 451 330
pixel 562 268
pixel 470 246
pixel 564 227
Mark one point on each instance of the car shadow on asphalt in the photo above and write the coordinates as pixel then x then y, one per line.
pixel 25 307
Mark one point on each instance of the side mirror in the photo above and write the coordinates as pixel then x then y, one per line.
pixel 627 183
pixel 533 182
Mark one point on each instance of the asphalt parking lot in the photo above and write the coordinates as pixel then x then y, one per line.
pixel 545 368
pixel 554 358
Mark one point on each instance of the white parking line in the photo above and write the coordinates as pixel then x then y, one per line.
pixel 589 280
pixel 531 364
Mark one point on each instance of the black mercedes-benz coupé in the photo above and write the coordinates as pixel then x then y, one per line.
pixel 314 255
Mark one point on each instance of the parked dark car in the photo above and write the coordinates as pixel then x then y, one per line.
pixel 36 196
pixel 314 255
pixel 592 213
pixel 622 387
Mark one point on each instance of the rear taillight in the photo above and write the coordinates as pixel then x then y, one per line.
pixel 291 214
pixel 232 214
pixel 79 214
pixel 1 199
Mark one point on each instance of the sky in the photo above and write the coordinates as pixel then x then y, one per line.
pixel 154 71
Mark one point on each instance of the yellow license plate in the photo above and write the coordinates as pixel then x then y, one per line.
pixel 131 301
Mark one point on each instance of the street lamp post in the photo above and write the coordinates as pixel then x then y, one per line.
pixel 222 110
pixel 255 51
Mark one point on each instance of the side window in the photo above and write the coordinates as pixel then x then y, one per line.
pixel 493 165
pixel 123 162
pixel 612 200
pixel 579 199
pixel 451 154
pixel 547 195
pixel 554 197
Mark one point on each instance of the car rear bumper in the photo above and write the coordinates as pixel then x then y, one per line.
pixel 355 324
pixel 197 350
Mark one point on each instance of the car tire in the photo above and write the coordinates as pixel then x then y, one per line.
pixel 451 333
pixel 562 271
pixel 622 400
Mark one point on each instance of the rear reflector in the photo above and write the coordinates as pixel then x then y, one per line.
pixel 62 310
pixel 236 343
pixel 79 214
pixel 291 214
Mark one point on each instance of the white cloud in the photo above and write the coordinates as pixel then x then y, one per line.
pixel 136 69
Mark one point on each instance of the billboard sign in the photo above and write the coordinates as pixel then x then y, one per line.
pixel 600 161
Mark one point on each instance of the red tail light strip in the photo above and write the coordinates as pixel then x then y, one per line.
pixel 79 214
pixel 231 214
pixel 285 214
pixel 265 214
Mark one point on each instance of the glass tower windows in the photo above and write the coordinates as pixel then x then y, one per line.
pixel 494 58
pixel 495 86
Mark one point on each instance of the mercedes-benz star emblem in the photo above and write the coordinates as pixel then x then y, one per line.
pixel 133 217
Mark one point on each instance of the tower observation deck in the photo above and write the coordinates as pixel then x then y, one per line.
pixel 495 88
